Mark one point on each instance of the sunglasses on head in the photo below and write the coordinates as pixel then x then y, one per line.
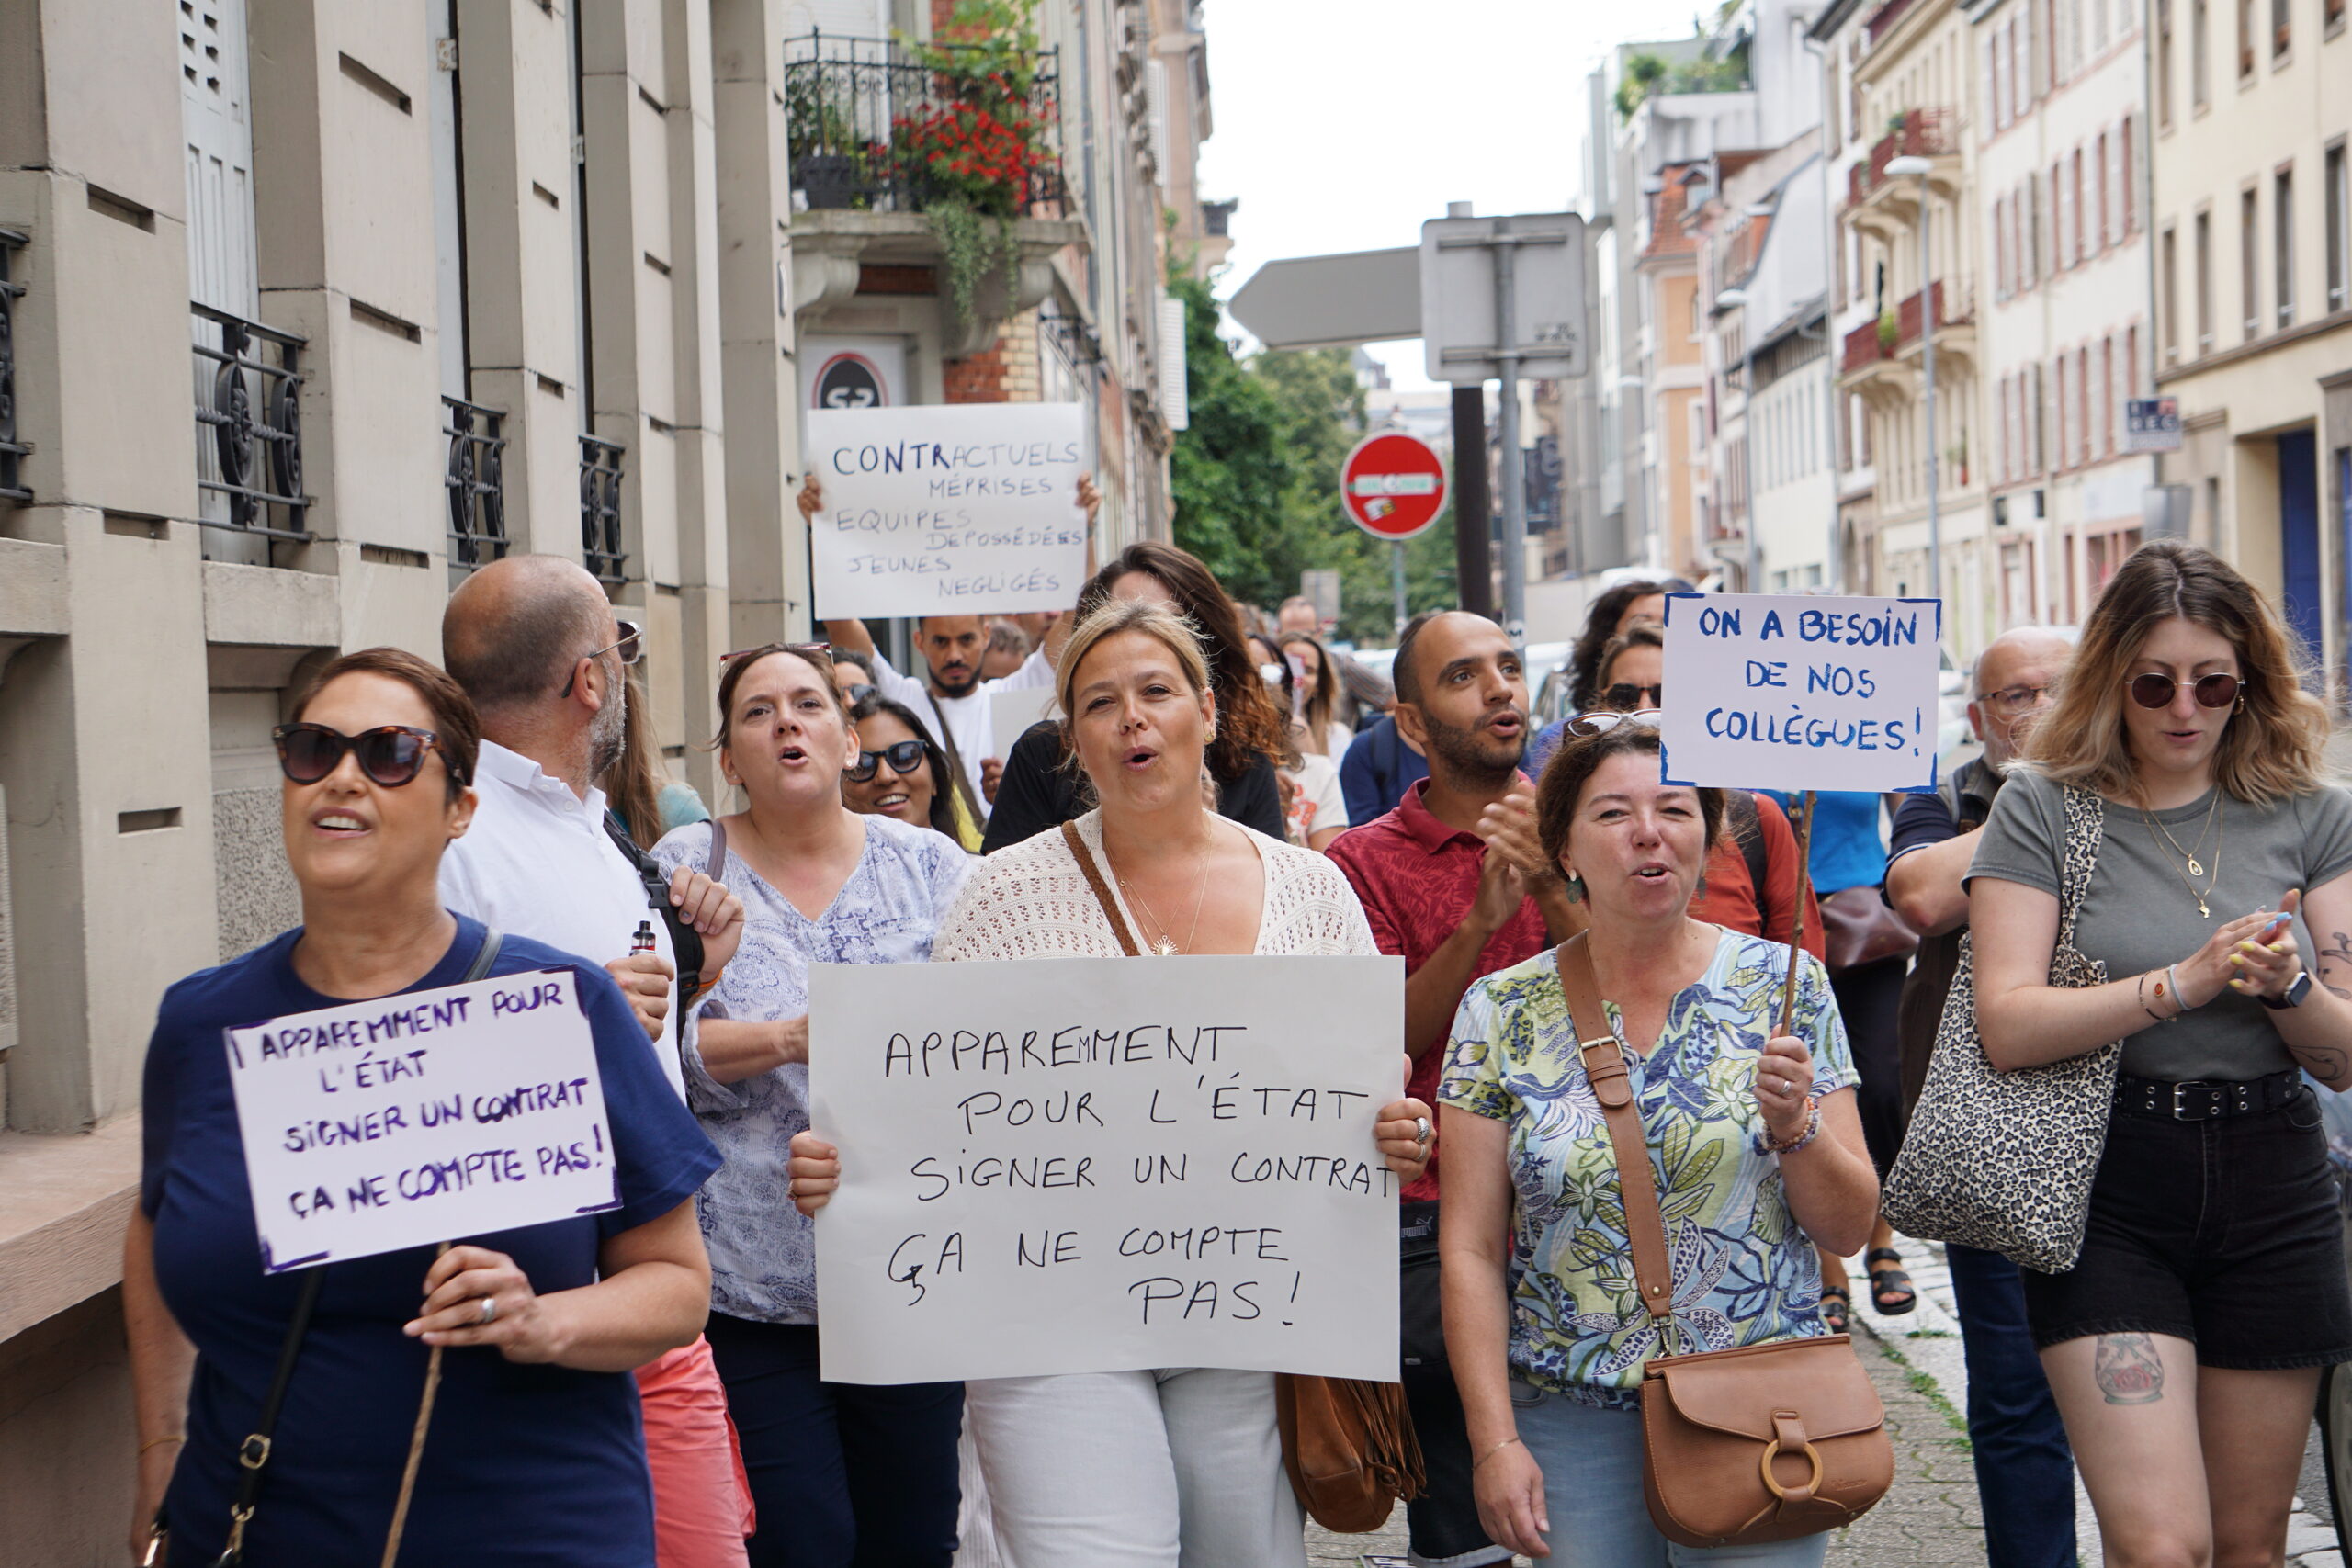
pixel 1626 697
pixel 391 754
pixel 904 757
pixel 1586 725
pixel 2155 691
pixel 765 648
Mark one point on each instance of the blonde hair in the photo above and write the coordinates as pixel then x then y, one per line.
pixel 1170 629
pixel 2273 748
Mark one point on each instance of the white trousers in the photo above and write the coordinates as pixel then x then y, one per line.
pixel 1178 1468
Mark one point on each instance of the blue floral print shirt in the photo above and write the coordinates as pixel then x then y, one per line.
pixel 1744 1273
pixel 763 1250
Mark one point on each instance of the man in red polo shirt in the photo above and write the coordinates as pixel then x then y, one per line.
pixel 1454 882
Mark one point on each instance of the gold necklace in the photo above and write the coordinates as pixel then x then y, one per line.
pixel 2222 825
pixel 1166 946
pixel 2189 855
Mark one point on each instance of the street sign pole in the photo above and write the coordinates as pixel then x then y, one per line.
pixel 1514 474
pixel 1474 561
pixel 1397 580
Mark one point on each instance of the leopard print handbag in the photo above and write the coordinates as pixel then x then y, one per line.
pixel 2004 1161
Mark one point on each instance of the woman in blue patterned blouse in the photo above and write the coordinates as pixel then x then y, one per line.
pixel 840 1473
pixel 1753 1142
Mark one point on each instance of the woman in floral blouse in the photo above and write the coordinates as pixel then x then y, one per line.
pixel 1754 1144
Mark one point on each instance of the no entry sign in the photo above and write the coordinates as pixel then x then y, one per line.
pixel 1392 485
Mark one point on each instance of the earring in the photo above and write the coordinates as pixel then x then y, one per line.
pixel 1575 888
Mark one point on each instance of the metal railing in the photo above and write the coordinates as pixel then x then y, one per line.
pixel 12 452
pixel 474 478
pixel 600 509
pixel 251 457
pixel 1924 133
pixel 1867 342
pixel 877 126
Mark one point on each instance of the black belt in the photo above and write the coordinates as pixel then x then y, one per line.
pixel 2205 1100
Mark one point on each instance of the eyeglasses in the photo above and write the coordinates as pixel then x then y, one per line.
pixel 631 647
pixel 1626 697
pixel 904 757
pixel 2014 700
pixel 391 754
pixel 2156 691
pixel 1586 725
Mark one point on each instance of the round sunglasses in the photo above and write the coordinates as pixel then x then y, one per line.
pixel 1626 697
pixel 391 754
pixel 2155 691
pixel 904 757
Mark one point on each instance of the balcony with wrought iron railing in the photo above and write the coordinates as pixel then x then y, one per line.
pixel 12 451
pixel 1881 356
pixel 602 548
pixel 249 427
pixel 474 476
pixel 1914 133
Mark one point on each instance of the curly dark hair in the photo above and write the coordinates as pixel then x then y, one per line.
pixel 1247 724
pixel 1561 789
pixel 1585 663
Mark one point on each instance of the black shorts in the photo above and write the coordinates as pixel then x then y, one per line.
pixel 2226 1232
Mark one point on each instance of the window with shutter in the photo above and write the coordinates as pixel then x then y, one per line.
pixel 2099 219
pixel 2061 209
pixel 2118 200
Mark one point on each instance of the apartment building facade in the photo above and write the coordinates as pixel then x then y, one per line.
pixel 2252 222
pixel 308 308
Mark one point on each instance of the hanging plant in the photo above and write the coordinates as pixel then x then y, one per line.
pixel 970 242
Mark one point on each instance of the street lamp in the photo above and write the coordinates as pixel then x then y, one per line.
pixel 1736 300
pixel 1899 168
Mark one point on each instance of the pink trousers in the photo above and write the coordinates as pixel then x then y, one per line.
pixel 702 1499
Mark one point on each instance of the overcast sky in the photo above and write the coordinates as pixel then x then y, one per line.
pixel 1340 128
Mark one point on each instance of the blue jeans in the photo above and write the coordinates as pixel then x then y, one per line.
pixel 1592 1490
pixel 2024 1472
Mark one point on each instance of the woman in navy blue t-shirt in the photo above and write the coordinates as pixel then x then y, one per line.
pixel 535 1454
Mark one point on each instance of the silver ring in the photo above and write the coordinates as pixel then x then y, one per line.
pixel 490 1309
pixel 1421 1130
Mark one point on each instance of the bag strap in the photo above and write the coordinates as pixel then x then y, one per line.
pixel 958 782
pixel 1613 1086
pixel 2086 825
pixel 685 941
pixel 486 955
pixel 1747 827
pixel 1101 889
pixel 715 867
pixel 253 1454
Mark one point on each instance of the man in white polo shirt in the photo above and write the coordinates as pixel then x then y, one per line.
pixel 533 642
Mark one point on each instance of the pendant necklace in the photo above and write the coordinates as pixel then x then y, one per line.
pixel 2220 826
pixel 2189 854
pixel 1166 946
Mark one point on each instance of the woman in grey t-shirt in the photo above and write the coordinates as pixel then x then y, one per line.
pixel 2185 1345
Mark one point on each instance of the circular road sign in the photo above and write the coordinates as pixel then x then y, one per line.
pixel 1393 484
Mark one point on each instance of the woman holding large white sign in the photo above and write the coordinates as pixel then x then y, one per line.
pixel 1143 1467
pixel 840 1474
pixel 535 1454
pixel 1758 1147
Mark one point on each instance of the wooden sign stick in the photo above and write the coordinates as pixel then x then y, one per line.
pixel 415 1445
pixel 1796 917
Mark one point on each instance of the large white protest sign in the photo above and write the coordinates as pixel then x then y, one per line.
pixel 1796 691
pixel 421 1117
pixel 1013 712
pixel 1097 1164
pixel 947 509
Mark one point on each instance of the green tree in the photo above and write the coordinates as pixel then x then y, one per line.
pixel 1257 478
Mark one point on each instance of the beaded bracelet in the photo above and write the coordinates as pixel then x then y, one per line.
pixel 1768 1144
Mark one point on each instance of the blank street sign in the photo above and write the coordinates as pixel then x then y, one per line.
pixel 1333 301
pixel 1459 331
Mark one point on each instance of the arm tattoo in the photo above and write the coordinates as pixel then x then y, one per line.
pixel 2128 1370
pixel 2330 958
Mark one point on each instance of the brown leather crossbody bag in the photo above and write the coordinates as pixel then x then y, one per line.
pixel 1762 1443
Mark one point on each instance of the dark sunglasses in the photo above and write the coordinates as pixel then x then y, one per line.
pixel 391 754
pixel 2155 691
pixel 904 757
pixel 1626 698
pixel 858 692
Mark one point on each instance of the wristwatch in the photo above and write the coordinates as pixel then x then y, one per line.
pixel 2296 992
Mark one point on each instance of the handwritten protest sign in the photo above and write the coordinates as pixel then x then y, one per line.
pixel 947 509
pixel 1095 1165
pixel 1011 713
pixel 1798 692
pixel 415 1118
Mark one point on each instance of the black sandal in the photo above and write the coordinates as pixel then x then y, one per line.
pixel 1838 1308
pixel 1891 1290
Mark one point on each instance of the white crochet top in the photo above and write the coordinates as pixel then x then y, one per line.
pixel 1031 900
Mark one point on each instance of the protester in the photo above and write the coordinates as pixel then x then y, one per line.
pixel 1297 614
pixel 1142 1467
pixel 1547 1340
pixel 1041 789
pixel 2024 1472
pixel 842 1473
pixel 1453 879
pixel 534 1455
pixel 1380 765
pixel 646 800
pixel 853 675
pixel 1314 810
pixel 1008 649
pixel 1612 614
pixel 533 641
pixel 898 771
pixel 2185 1344
pixel 1867 962
pixel 954 702
pixel 1319 688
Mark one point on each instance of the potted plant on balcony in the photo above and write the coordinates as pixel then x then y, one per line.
pixel 1890 328
pixel 829 166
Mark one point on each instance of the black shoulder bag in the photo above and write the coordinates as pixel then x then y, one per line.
pixel 252 1455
